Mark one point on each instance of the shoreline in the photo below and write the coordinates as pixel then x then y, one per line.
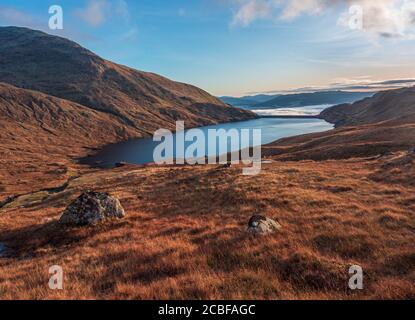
pixel 90 159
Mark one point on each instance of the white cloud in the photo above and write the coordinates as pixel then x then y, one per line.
pixel 251 10
pixel 122 10
pixel 97 12
pixel 294 8
pixel 387 18
pixel 12 16
pixel 94 13
pixel 359 83
pixel 130 35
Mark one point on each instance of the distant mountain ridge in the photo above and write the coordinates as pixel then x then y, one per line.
pixel 142 101
pixel 247 101
pixel 373 126
pixel 297 100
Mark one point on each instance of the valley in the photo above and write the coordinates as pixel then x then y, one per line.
pixel 342 197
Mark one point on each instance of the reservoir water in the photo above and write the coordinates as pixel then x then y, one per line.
pixel 140 151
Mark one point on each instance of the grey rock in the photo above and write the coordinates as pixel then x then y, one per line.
pixel 262 225
pixel 92 208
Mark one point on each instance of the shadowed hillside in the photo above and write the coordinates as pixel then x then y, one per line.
pixel 384 106
pixel 142 101
pixel 40 134
pixel 70 102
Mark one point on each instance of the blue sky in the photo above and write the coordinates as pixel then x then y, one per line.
pixel 237 47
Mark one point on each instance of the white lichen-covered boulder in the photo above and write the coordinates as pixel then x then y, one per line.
pixel 262 225
pixel 92 208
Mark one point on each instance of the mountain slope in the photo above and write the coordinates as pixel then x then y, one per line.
pixel 383 106
pixel 315 98
pixel 54 117
pixel 143 101
pixel 40 136
pixel 347 142
pixel 373 126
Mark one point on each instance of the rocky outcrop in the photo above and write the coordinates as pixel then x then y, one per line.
pixel 262 225
pixel 92 208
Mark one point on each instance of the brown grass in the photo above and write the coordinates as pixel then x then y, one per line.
pixel 185 237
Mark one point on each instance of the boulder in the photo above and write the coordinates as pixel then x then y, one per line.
pixel 92 208
pixel 262 225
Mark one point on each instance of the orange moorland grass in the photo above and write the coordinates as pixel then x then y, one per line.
pixel 184 236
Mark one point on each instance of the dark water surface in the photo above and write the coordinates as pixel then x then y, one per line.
pixel 140 151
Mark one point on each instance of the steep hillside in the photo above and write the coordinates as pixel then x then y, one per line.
pixel 383 106
pixel 142 101
pixel 41 134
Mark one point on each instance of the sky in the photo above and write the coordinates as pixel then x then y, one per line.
pixel 243 47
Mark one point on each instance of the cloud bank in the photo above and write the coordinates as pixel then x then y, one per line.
pixel 250 11
pixel 386 18
pixel 15 17
pixel 94 13
pixel 355 84
pixel 97 12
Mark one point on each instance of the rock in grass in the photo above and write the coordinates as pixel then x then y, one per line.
pixel 92 208
pixel 262 225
